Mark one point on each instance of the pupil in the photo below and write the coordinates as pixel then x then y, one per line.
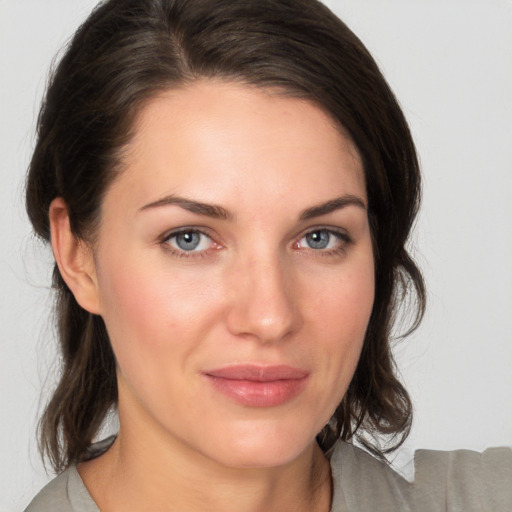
pixel 318 239
pixel 187 241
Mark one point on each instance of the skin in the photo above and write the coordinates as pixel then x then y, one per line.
pixel 253 291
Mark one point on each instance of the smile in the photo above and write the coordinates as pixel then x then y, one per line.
pixel 257 386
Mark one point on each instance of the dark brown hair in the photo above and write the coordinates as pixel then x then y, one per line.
pixel 129 50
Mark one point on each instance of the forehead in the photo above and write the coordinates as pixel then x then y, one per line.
pixel 237 142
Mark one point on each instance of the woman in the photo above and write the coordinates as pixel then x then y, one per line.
pixel 228 188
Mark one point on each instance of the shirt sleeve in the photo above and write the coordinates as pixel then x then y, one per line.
pixel 464 480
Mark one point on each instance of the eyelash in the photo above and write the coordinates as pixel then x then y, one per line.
pixel 180 253
pixel 343 238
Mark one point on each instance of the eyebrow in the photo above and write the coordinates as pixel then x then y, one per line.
pixel 208 210
pixel 332 205
pixel 218 212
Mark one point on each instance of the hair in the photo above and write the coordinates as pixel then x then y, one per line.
pixel 128 51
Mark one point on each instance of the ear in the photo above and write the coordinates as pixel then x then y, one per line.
pixel 74 258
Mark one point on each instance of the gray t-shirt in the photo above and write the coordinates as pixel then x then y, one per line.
pixel 457 481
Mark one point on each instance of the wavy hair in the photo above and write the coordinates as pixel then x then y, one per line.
pixel 125 53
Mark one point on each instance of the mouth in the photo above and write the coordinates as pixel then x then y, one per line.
pixel 258 386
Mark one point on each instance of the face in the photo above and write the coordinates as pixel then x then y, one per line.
pixel 235 272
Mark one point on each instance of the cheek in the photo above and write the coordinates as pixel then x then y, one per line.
pixel 343 303
pixel 149 311
pixel 338 313
pixel 341 314
pixel 156 321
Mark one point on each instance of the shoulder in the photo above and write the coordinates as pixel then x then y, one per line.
pixel 458 481
pixel 65 493
pixel 467 480
pixel 363 483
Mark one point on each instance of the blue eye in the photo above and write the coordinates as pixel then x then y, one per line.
pixel 318 239
pixel 189 241
pixel 322 239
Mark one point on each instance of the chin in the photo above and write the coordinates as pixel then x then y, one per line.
pixel 263 447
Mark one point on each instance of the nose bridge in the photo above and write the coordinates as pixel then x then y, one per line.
pixel 263 302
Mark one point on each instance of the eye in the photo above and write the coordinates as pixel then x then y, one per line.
pixel 323 239
pixel 189 241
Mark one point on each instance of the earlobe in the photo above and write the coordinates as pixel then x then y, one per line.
pixel 74 258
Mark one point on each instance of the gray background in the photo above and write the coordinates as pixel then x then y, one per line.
pixel 450 64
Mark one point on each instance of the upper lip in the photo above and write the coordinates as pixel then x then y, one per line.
pixel 258 373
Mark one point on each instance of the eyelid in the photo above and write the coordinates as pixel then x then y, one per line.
pixel 341 234
pixel 185 229
pixel 175 251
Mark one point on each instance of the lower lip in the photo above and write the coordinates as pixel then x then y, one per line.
pixel 259 394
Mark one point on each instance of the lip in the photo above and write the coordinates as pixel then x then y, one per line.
pixel 258 386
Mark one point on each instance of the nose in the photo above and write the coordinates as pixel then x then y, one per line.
pixel 263 304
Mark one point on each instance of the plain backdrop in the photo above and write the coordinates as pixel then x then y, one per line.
pixel 450 64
